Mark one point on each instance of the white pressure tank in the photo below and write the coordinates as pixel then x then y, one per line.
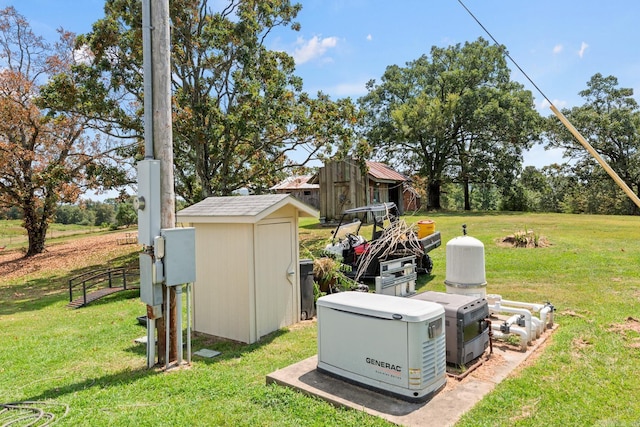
pixel 465 266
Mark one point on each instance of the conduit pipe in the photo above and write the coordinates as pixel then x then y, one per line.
pixel 189 323
pixel 179 323
pixel 167 329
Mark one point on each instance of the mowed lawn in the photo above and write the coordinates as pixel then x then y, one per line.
pixel 84 367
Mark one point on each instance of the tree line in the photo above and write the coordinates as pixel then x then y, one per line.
pixel 110 213
pixel 453 119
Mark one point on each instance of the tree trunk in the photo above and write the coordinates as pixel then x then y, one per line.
pixel 433 194
pixel 467 198
pixel 36 230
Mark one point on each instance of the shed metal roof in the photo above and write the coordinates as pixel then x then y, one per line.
pixel 246 209
pixel 380 171
pixel 296 183
pixel 376 171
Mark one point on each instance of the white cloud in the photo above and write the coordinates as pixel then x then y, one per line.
pixel 350 89
pixel 538 157
pixel 369 37
pixel 83 55
pixel 557 49
pixel 313 48
pixel 583 47
pixel 353 89
pixel 544 104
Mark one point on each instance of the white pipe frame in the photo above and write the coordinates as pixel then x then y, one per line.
pixel 499 308
pixel 534 326
pixel 497 333
pixel 543 309
pixel 513 320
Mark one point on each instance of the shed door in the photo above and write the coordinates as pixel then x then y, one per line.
pixel 275 289
pixel 342 202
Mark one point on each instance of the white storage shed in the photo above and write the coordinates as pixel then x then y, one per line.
pixel 247 264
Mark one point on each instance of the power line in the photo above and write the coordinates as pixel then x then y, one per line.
pixel 623 185
pixel 506 52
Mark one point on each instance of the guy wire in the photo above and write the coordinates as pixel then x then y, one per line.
pixel 506 52
pixel 623 185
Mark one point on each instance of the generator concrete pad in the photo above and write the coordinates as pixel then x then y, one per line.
pixel 444 409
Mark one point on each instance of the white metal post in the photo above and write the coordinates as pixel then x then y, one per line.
pixel 189 323
pixel 179 323
pixel 167 323
pixel 151 342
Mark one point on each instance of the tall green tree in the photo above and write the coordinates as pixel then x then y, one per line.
pixel 609 120
pixel 239 111
pixel 44 160
pixel 454 116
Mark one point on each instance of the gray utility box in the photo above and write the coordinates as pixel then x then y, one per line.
pixel 150 288
pixel 466 327
pixel 148 201
pixel 180 255
pixel 172 263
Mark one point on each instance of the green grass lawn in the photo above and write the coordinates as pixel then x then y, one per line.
pixel 87 360
pixel 13 235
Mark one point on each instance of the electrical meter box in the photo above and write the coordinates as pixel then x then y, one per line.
pixel 148 201
pixel 150 290
pixel 393 345
pixel 179 255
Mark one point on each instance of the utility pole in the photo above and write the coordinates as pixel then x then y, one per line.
pixel 163 142
pixel 159 146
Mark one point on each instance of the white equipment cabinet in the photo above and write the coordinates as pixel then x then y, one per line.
pixel 247 267
pixel 393 345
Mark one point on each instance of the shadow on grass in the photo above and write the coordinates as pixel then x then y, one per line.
pixel 118 378
pixel 128 377
pixel 421 214
pixel 38 293
pixel 229 349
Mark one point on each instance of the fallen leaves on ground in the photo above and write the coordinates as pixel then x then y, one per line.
pixel 66 256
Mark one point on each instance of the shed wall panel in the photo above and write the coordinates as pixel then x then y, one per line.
pixel 222 295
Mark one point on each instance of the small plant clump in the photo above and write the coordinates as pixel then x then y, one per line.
pixel 525 239
pixel 329 275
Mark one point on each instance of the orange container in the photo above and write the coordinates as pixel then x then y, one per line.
pixel 425 228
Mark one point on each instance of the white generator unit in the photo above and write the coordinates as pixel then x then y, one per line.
pixel 389 344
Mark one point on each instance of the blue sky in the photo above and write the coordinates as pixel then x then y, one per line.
pixel 342 44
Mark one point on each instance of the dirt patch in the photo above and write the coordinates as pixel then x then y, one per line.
pixel 487 370
pixel 630 330
pixel 67 256
pixel 579 346
pixel 524 239
pixel 630 324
